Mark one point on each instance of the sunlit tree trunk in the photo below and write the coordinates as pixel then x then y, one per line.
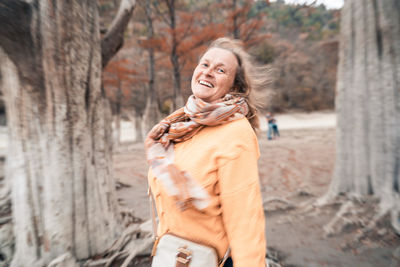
pixel 368 103
pixel 59 152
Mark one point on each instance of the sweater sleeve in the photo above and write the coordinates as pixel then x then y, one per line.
pixel 242 211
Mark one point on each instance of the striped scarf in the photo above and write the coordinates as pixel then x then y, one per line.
pixel 180 126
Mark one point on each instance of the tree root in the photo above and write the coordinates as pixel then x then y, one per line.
pixel 395 258
pixel 371 221
pixel 128 217
pixel 64 260
pixel 121 242
pixel 119 185
pixel 342 219
pixel 140 248
pixel 271 263
pixel 274 257
pixel 395 214
pixel 132 242
pixel 288 205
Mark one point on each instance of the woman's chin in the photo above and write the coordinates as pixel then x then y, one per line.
pixel 204 97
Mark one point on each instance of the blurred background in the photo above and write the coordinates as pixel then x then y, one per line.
pixel 299 40
pixel 82 82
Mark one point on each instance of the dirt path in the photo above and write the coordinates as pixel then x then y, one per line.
pixel 297 167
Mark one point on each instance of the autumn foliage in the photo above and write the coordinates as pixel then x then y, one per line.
pixel 298 42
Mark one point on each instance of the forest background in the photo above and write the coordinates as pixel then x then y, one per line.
pixel 151 74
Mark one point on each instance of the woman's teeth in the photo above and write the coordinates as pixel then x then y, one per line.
pixel 206 83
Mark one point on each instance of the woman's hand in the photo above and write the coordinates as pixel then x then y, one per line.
pixel 156 134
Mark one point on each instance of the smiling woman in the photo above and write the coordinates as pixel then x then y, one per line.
pixel 214 75
pixel 203 167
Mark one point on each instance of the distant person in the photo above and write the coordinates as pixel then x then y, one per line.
pixel 269 123
pixel 275 128
pixel 203 165
pixel 272 126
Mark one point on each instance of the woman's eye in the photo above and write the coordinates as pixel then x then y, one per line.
pixel 220 70
pixel 204 64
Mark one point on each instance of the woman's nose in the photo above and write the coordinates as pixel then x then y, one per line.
pixel 207 72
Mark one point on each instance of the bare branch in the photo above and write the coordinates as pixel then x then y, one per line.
pixel 160 13
pixel 114 38
pixel 15 18
pixel 19 38
pixel 188 29
pixel 298 7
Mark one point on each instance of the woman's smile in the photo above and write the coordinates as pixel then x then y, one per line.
pixel 214 75
pixel 205 83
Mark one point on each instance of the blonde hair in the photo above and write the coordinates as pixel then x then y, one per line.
pixel 250 78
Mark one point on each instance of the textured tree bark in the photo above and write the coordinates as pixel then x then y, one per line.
pixel 368 103
pixel 59 158
pixel 6 232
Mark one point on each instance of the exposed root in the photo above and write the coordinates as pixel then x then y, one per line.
pixel 117 255
pixel 304 193
pixel 129 245
pixel 395 214
pixel 65 259
pixel 274 257
pixel 119 185
pixel 342 219
pixel 395 258
pixel 314 207
pixel 121 242
pixel 271 263
pixel 139 248
pixel 287 204
pixel 364 216
pixel 128 217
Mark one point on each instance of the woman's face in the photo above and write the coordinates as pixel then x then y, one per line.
pixel 214 75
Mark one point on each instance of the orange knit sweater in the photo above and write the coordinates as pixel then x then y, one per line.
pixel 223 159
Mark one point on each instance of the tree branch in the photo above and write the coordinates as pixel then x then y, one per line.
pixel 114 38
pixel 161 14
pixel 15 17
pixel 18 20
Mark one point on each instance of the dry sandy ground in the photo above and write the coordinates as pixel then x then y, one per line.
pixel 297 167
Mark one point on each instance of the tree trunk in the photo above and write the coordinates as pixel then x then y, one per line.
pixel 59 158
pixel 117 116
pixel 137 124
pixel 117 131
pixel 140 134
pixel 6 233
pixel 235 26
pixel 151 113
pixel 368 103
pixel 174 57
